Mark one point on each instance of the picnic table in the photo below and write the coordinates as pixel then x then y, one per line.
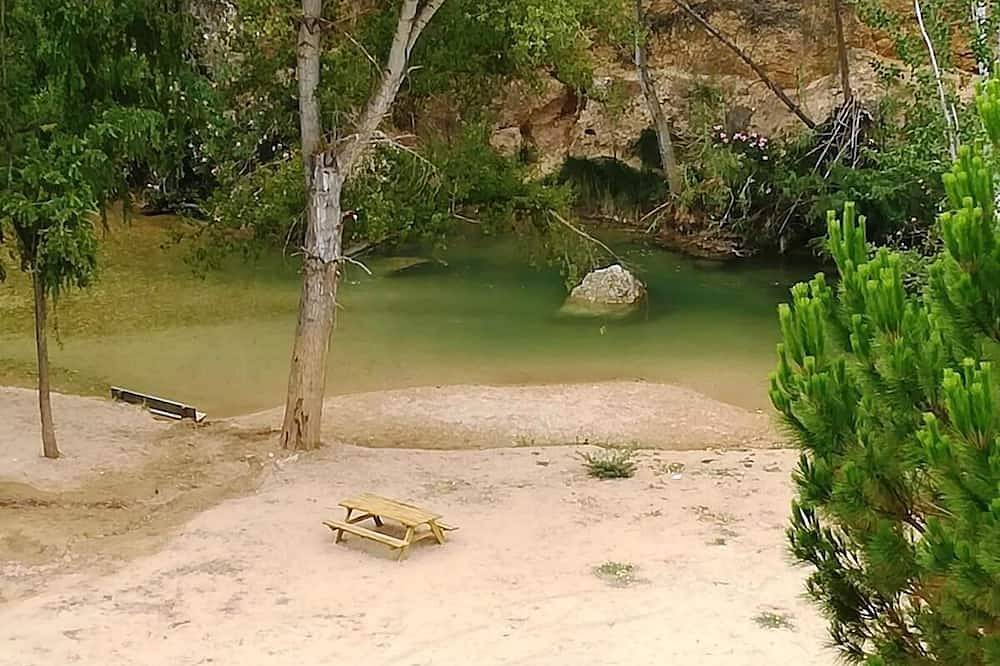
pixel 378 509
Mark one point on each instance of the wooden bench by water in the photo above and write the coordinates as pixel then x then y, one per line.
pixel 158 406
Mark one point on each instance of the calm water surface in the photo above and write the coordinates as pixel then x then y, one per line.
pixel 486 316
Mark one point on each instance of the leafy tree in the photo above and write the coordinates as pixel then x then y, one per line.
pixel 92 90
pixel 888 385
pixel 472 49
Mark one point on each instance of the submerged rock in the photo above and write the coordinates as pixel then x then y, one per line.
pixel 611 291
pixel 399 265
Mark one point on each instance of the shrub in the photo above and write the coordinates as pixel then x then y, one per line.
pixel 611 462
pixel 887 385
pixel 609 186
pixel 617 574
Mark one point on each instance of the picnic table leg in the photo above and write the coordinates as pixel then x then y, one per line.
pixel 406 544
pixel 340 533
pixel 438 532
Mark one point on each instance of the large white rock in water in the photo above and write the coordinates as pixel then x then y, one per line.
pixel 611 291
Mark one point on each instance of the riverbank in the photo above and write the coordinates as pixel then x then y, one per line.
pixel 206 541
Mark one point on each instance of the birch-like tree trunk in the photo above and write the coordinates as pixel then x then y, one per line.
pixel 49 446
pixel 327 164
pixel 950 117
pixel 661 124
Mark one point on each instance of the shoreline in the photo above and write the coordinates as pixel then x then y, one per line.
pixel 98 434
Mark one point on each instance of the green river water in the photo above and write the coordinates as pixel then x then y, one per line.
pixel 223 343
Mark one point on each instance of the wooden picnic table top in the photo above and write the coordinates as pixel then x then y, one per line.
pixel 407 514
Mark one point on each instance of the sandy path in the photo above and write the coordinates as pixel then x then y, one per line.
pixel 452 417
pixel 258 580
pixel 94 435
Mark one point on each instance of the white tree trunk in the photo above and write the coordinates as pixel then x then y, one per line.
pixel 951 120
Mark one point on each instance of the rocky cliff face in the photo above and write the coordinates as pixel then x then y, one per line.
pixel 792 40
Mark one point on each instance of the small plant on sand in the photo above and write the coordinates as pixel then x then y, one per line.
pixel 618 574
pixel 773 620
pixel 612 462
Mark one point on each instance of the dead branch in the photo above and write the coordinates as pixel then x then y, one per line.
pixel 785 99
pixel 583 234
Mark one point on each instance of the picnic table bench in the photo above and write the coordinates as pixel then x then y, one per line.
pixel 379 508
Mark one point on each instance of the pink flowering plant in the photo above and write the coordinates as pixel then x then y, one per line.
pixel 750 145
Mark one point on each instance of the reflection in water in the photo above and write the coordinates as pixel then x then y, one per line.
pixel 484 317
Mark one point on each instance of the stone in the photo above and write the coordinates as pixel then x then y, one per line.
pixel 507 141
pixel 611 291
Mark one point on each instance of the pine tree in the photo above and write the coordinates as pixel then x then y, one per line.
pixel 887 384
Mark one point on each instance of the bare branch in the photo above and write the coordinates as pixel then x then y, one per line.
pixel 351 260
pixel 580 232
pixel 381 100
pixel 363 50
pixel 712 30
pixel 463 218
pixel 412 20
pixel 426 14
pixel 661 124
pixel 382 137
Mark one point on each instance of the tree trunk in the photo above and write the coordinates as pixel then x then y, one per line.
pixel 842 55
pixel 325 170
pixel 302 427
pixel 49 447
pixel 660 122
pixel 307 376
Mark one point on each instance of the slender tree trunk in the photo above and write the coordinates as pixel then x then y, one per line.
pixel 660 121
pixel 49 447
pixel 842 54
pixel 950 117
pixel 980 14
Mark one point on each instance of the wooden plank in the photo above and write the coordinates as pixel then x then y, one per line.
pixel 159 406
pixel 340 527
pixel 407 514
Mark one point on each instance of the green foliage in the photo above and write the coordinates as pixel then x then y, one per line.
pixel 613 462
pixel 451 177
pixel 769 191
pixel 400 197
pixel 884 171
pixel 888 386
pixel 91 100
